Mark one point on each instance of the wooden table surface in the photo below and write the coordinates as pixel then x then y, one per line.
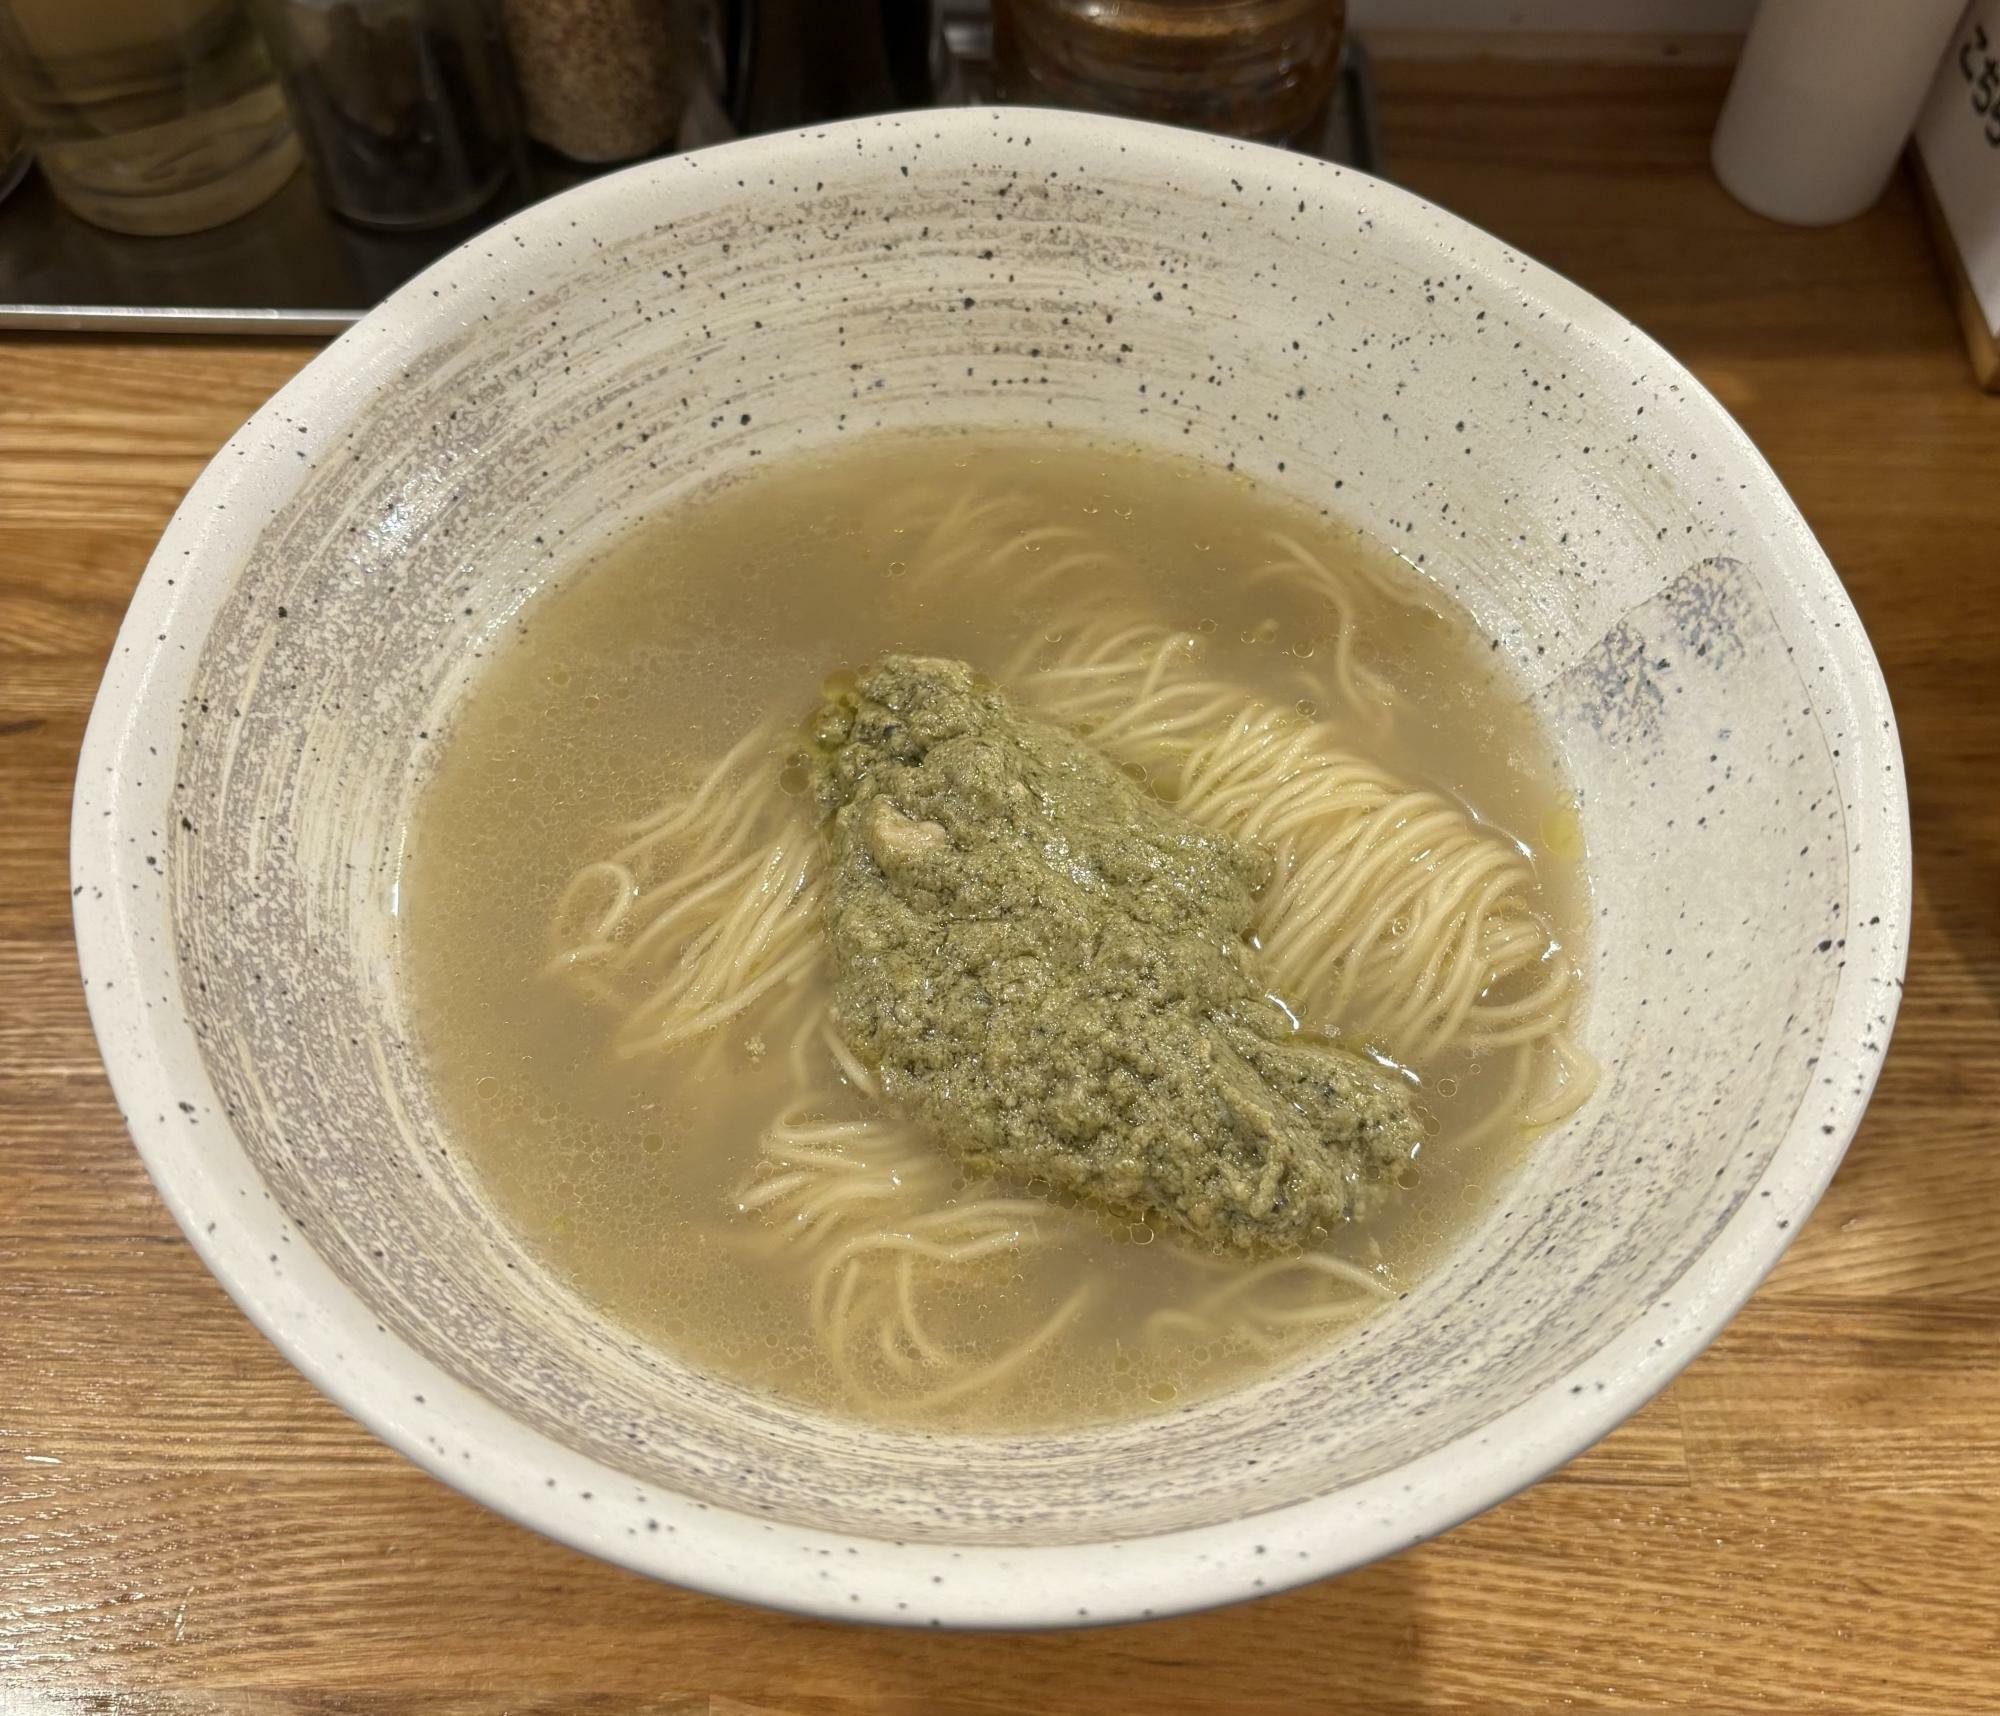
pixel 1808 1520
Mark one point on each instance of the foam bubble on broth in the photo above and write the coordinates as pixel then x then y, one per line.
pixel 621 1176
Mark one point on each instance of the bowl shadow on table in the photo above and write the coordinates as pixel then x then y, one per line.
pixel 1905 1213
pixel 1939 674
pixel 1953 755
pixel 1362 1633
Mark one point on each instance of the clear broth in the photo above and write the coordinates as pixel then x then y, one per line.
pixel 645 663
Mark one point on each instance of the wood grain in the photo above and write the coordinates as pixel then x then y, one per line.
pixel 1808 1520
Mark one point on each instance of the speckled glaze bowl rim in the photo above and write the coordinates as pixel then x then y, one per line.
pixel 331 1335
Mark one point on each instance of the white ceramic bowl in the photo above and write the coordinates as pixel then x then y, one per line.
pixel 325 590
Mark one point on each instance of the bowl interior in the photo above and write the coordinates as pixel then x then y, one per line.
pixel 371 535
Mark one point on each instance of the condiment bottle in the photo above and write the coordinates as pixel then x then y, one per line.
pixel 1262 69
pixel 406 107
pixel 156 117
pixel 601 80
pixel 1822 103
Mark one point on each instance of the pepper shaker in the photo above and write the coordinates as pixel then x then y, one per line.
pixel 601 80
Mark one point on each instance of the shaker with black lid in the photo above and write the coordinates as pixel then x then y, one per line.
pixel 406 107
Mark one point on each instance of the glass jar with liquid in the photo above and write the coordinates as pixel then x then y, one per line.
pixel 147 116
pixel 1259 69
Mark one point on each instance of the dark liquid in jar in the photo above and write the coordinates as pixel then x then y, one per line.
pixel 1260 69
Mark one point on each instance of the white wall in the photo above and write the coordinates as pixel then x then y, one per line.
pixel 1676 17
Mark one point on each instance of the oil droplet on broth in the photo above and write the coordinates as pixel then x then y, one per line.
pixel 1562 832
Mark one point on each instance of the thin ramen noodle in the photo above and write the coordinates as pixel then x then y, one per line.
pixel 615 886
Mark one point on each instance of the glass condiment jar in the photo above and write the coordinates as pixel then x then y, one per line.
pixel 1260 69
pixel 147 116
pixel 601 80
pixel 406 107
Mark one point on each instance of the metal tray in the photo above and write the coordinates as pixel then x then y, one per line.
pixel 290 267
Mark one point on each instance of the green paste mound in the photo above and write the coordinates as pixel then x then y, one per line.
pixel 1047 966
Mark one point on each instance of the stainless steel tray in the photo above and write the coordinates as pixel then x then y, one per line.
pixel 290 267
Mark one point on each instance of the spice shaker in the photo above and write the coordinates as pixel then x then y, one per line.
pixel 601 80
pixel 406 107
